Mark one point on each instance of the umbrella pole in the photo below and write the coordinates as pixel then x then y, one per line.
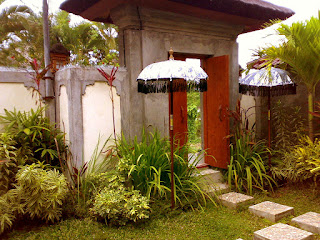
pixel 171 143
pixel 269 126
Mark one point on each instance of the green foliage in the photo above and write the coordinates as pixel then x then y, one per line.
pixel 247 167
pixel 21 38
pixel 146 164
pixel 301 162
pixel 38 193
pixel 118 205
pixel 7 214
pixel 34 135
pixel 42 191
pixel 288 125
pixel 194 123
pixel 8 162
pixel 301 51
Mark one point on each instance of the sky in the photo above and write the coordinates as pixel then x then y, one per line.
pixel 248 42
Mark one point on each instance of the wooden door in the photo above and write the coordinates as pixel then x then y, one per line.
pixel 215 107
pixel 180 117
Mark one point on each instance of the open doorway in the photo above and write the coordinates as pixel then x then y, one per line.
pixel 194 115
pixel 211 115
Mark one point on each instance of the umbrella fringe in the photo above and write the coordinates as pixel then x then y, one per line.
pixel 263 91
pixel 159 86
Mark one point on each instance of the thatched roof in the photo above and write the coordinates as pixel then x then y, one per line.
pixel 258 10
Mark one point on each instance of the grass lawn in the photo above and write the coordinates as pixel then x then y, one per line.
pixel 212 223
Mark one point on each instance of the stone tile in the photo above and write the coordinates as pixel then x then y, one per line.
pixel 272 211
pixel 233 200
pixel 282 231
pixel 211 175
pixel 216 189
pixel 309 221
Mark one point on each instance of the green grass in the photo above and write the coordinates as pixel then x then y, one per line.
pixel 212 223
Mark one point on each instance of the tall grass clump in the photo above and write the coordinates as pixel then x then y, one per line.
pixel 248 157
pixel 146 165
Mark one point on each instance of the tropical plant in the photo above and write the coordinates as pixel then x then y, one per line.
pixel 301 51
pixel 42 191
pixel 288 125
pixel 21 38
pixel 8 162
pixel 117 204
pixel 38 193
pixel 34 133
pixel 247 167
pixel 110 78
pixel 146 164
pixel 10 208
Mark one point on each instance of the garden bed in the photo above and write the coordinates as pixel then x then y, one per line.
pixel 212 223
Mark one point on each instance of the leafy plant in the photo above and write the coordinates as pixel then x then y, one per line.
pixel 303 161
pixel 146 164
pixel 288 125
pixel 38 193
pixel 33 133
pixel 117 204
pixel 42 191
pixel 8 162
pixel 247 168
pixel 110 78
pixel 301 52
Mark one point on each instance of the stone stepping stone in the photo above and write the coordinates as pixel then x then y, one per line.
pixel 309 221
pixel 271 211
pixel 233 199
pixel 282 231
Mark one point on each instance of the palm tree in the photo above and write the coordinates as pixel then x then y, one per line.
pixel 301 51
pixel 21 38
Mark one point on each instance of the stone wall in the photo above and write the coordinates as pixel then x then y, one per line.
pixel 17 90
pixel 84 108
pixel 145 37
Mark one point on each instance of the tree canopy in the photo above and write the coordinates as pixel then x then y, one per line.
pixel 301 51
pixel 21 38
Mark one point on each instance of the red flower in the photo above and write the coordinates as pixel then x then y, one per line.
pixel 108 77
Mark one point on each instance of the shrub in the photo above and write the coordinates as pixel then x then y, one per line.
pixel 247 168
pixel 8 162
pixel 42 191
pixel 38 193
pixel 301 162
pixel 288 125
pixel 34 135
pixel 120 205
pixel 146 164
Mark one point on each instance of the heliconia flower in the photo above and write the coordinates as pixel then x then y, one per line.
pixel 108 77
pixel 38 74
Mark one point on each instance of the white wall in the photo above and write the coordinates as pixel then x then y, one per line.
pixel 248 104
pixel 97 116
pixel 16 95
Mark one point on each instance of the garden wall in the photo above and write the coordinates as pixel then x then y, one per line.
pixel 84 108
pixel 83 104
pixel 17 90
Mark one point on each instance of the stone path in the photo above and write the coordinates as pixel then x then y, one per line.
pixel 309 222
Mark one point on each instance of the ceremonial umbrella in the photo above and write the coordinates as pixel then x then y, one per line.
pixel 264 83
pixel 163 77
